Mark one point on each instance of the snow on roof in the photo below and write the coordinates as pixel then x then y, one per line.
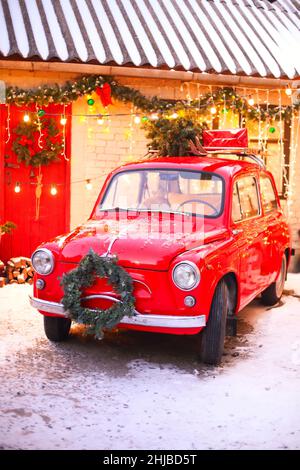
pixel 244 37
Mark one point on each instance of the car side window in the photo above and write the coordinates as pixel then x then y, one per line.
pixel 245 201
pixel 236 205
pixel 268 196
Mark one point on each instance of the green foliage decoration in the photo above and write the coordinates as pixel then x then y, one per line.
pixel 84 85
pixel 171 137
pixel 84 276
pixel 7 227
pixel 37 148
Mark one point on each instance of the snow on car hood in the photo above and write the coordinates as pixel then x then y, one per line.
pixel 146 240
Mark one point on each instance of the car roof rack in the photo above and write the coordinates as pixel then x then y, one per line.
pixel 241 153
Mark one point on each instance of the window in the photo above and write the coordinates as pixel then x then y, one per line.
pixel 245 202
pixel 190 192
pixel 123 191
pixel 268 196
pixel 236 206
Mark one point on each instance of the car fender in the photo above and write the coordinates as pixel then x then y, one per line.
pixel 215 261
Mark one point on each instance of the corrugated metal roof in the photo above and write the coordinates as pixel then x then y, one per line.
pixel 246 37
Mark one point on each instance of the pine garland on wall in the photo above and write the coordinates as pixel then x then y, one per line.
pixel 71 91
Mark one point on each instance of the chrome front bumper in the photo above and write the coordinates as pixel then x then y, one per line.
pixel 165 321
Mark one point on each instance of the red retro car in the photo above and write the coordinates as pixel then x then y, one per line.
pixel 201 237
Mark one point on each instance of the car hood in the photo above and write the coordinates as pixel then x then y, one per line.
pixel 146 241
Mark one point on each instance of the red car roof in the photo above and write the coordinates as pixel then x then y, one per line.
pixel 209 164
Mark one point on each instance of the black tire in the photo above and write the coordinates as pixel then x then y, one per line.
pixel 57 329
pixel 273 293
pixel 213 335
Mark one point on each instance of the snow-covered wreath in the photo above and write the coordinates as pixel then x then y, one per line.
pixel 91 267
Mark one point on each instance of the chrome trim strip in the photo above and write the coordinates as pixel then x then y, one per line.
pixel 101 296
pixel 49 307
pixel 257 160
pixel 143 283
pixel 106 297
pixel 166 321
pixel 108 251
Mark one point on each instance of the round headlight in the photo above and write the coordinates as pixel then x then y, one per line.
pixel 42 261
pixel 186 275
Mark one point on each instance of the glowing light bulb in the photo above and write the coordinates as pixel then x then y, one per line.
pixel 288 91
pixel 100 120
pixel 63 120
pixel 17 188
pixel 88 185
pixel 174 116
pixel 213 110
pixel 53 190
pixel 251 101
pixel 154 117
pixel 137 119
pixel 26 117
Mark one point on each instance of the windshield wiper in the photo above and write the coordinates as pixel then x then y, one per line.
pixel 112 209
pixel 163 211
pixel 131 209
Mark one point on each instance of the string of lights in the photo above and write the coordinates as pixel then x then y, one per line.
pixel 53 186
pixel 215 99
pixel 207 107
pixel 8 125
pixel 295 134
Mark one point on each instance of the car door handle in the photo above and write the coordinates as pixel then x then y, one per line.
pixel 237 231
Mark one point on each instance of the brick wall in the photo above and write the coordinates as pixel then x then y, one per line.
pixel 98 149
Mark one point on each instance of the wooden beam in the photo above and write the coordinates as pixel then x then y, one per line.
pixel 234 80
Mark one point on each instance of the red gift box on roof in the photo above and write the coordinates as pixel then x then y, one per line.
pixel 229 138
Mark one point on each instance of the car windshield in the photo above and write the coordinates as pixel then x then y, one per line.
pixel 185 192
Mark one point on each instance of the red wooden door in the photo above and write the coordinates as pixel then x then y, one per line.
pixel 20 208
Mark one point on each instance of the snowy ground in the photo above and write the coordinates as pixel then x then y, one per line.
pixel 146 391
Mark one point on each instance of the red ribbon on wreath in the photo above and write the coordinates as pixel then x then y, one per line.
pixel 104 93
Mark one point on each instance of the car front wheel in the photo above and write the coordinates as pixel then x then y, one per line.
pixel 57 329
pixel 273 293
pixel 213 335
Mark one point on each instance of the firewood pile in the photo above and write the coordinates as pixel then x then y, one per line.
pixel 17 271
